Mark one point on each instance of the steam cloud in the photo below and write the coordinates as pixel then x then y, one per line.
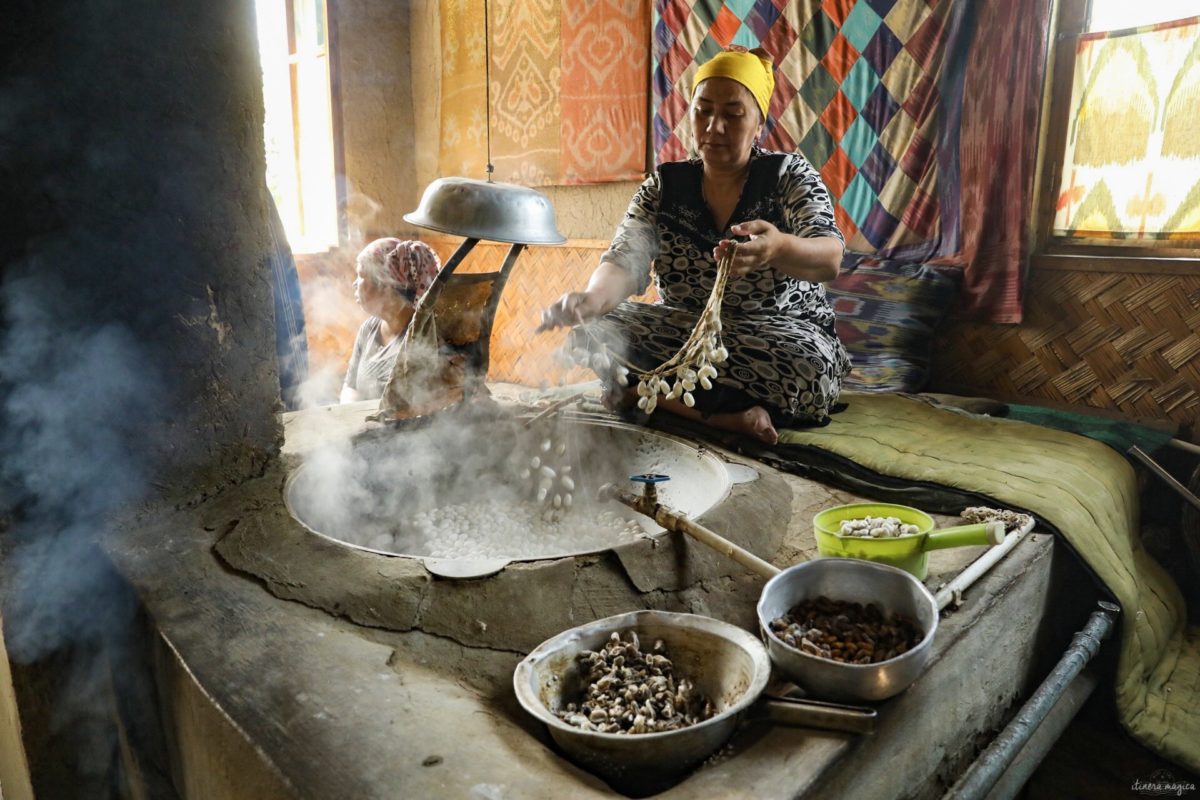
pixel 74 397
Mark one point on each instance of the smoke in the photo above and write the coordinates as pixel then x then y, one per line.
pixel 331 317
pixel 75 399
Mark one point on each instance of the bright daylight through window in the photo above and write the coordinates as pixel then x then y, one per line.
pixel 1131 166
pixel 298 131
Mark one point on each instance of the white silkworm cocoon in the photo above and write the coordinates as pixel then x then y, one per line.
pixel 689 386
pixel 688 400
pixel 705 383
pixel 568 483
pixel 676 390
pixel 722 354
pixel 565 469
pixel 651 402
pixel 541 494
pixel 562 448
pixel 642 402
pixel 535 462
pixel 568 498
pixel 663 386
pixel 689 376
pixel 546 444
pixel 547 472
pixel 558 501
pixel 622 379
pixel 643 389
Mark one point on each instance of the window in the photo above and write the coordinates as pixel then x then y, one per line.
pixel 298 131
pixel 1121 165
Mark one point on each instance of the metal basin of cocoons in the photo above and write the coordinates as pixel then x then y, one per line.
pixel 461 498
pixel 727 665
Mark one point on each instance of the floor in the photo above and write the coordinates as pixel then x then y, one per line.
pixel 1095 759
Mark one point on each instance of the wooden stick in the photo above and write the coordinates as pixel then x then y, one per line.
pixel 674 522
pixel 741 555
pixel 554 407
pixel 1180 444
pixel 1167 477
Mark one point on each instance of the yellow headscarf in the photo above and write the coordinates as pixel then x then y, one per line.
pixel 747 67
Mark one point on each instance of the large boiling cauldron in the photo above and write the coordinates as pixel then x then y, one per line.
pixel 440 529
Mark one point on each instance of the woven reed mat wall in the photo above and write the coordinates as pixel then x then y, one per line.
pixel 1125 343
pixel 331 320
pixel 540 276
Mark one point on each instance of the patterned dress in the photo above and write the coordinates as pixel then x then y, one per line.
pixel 783 351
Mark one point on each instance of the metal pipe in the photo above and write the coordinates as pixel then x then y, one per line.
pixel 1034 752
pixel 952 591
pixel 987 770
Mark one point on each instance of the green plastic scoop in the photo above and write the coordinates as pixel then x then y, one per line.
pixel 909 553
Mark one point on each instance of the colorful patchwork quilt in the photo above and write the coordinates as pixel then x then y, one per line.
pixel 869 91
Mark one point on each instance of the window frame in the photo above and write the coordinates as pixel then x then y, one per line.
pixel 330 54
pixel 1068 21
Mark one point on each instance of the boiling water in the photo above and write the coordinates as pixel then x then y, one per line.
pixel 459 493
pixel 495 529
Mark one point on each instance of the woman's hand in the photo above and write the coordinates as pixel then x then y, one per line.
pixel 815 259
pixel 765 240
pixel 573 308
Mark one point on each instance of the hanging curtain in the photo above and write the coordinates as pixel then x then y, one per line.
pixel 872 92
pixel 568 90
pixel 1132 165
pixel 1003 93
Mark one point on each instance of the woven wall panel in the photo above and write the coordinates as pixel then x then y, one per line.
pixel 1124 343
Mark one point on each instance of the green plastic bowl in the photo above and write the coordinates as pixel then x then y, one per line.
pixel 909 553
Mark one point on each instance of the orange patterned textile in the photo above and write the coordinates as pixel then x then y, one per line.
pixel 569 94
pixel 605 92
pixel 1132 166
pixel 464 145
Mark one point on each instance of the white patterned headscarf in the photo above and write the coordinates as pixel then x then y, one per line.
pixel 406 265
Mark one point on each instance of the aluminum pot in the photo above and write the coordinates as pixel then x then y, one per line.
pixel 729 665
pixel 893 590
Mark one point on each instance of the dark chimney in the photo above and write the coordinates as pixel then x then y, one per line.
pixel 137 352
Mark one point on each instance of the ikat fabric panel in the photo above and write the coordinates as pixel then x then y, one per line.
pixel 568 90
pixel 1132 163
pixel 869 91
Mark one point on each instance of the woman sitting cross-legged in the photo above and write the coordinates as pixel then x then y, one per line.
pixel 785 363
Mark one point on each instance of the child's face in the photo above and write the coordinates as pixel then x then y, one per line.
pixel 368 293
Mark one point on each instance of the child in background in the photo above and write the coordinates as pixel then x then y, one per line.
pixel 390 275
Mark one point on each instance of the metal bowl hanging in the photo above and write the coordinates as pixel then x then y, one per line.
pixel 498 212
